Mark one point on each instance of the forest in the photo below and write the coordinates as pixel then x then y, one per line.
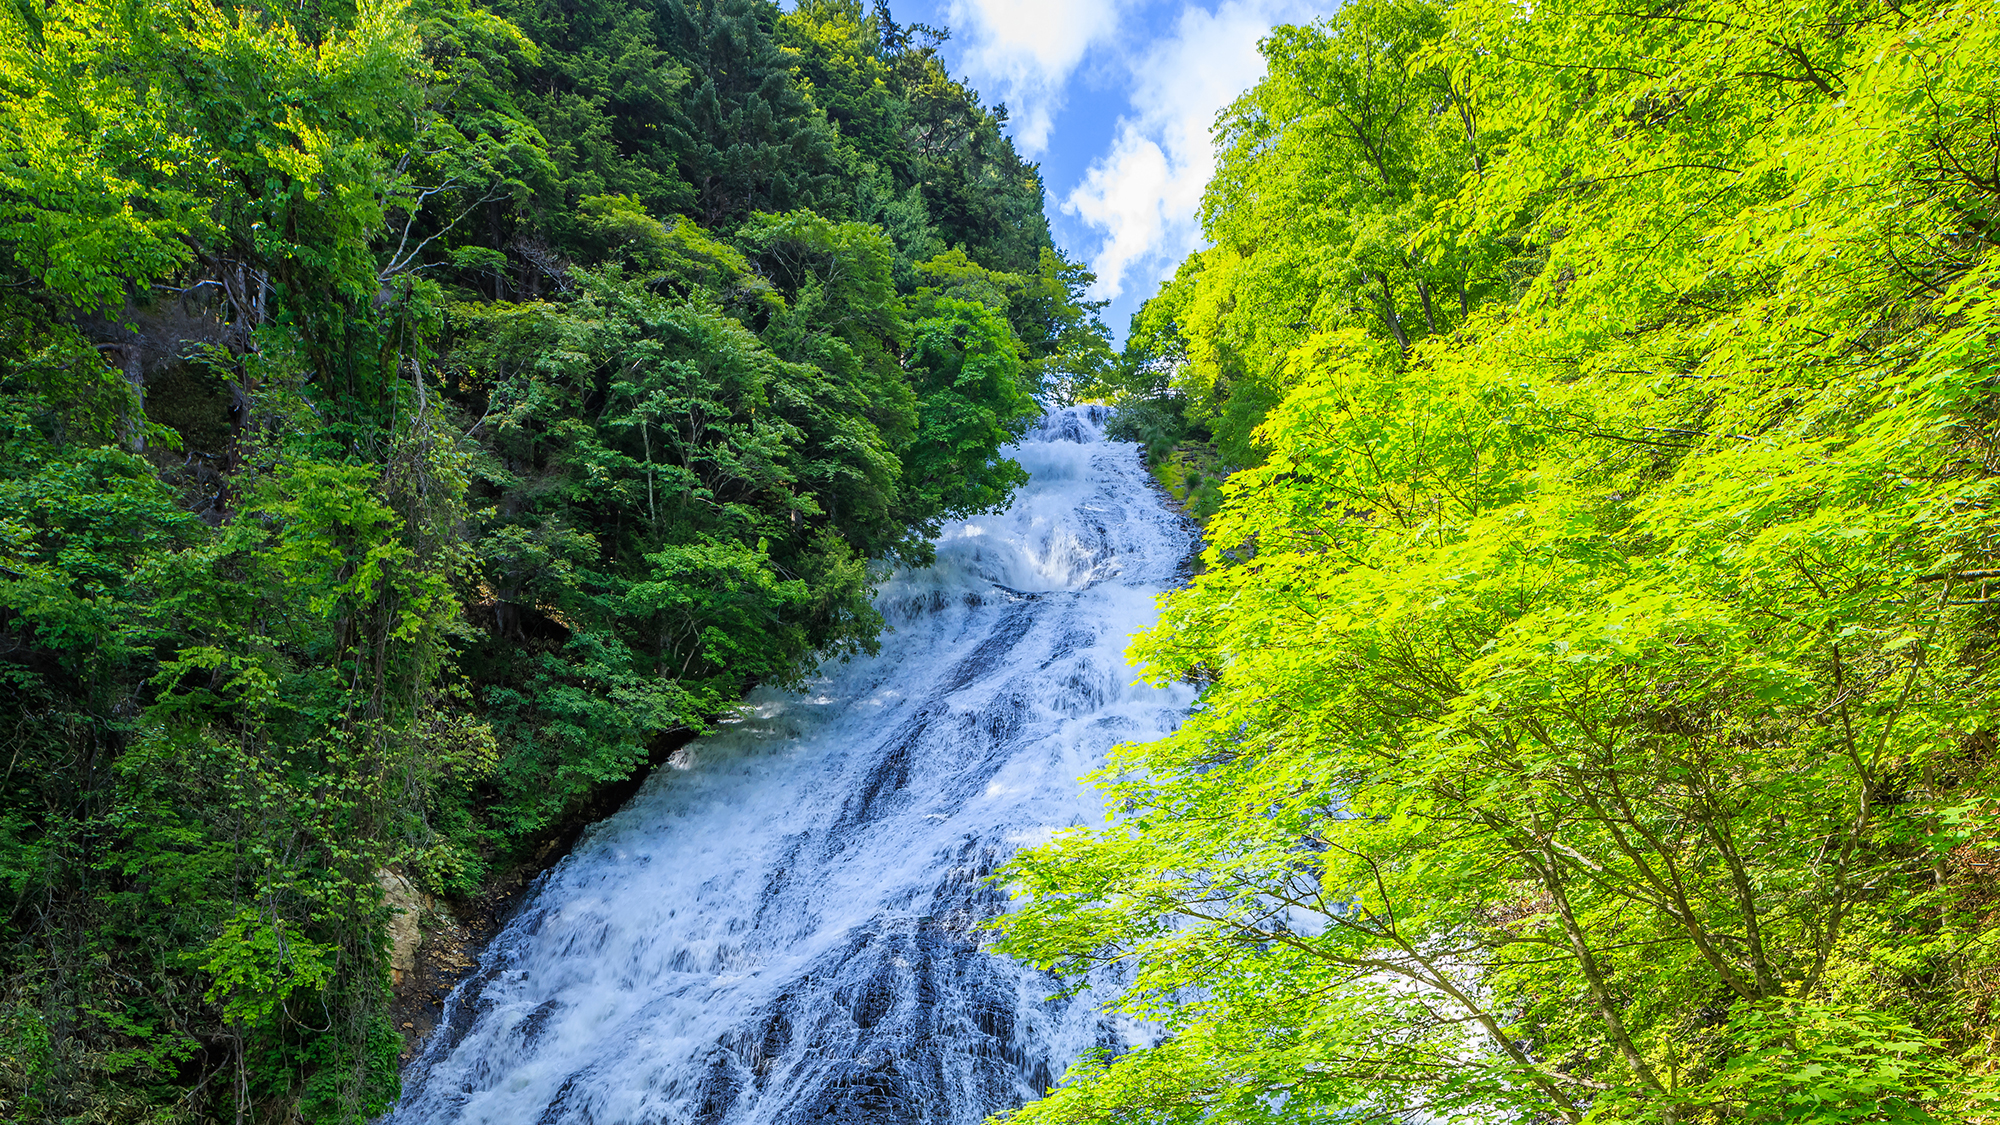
pixel 1595 413
pixel 416 417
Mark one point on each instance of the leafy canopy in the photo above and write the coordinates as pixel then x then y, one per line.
pixel 1596 719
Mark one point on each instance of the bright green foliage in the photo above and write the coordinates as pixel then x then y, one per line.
pixel 1065 348
pixel 257 966
pixel 963 366
pixel 1328 173
pixel 644 491
pixel 411 423
pixel 1597 719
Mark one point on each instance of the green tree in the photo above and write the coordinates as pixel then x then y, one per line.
pixel 743 135
pixel 964 367
pixel 1323 210
pixel 390 462
pixel 1595 705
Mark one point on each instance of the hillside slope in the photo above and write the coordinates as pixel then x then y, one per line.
pixel 413 417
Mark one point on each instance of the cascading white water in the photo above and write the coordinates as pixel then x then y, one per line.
pixel 784 927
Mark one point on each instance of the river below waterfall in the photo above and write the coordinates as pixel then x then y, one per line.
pixel 784 925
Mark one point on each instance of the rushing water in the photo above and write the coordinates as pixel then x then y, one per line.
pixel 784 926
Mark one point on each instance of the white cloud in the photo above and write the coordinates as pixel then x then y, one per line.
pixel 1029 49
pixel 1142 195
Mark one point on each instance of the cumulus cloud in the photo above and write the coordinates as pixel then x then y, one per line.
pixel 1029 49
pixel 1142 195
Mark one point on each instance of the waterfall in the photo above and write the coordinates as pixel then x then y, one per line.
pixel 783 925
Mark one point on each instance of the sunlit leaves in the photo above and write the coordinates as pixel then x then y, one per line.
pixel 257 966
pixel 1595 690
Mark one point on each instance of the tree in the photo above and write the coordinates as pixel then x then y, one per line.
pixel 1323 213
pixel 392 465
pixel 964 367
pixel 1594 717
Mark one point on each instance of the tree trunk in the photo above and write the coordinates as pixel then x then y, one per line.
pixel 1430 317
pixel 135 376
pixel 1462 103
pixel 1389 313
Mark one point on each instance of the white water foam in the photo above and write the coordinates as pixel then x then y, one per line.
pixel 783 927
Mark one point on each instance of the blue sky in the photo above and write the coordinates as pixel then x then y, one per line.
pixel 1114 98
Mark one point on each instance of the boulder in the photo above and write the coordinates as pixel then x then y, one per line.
pixel 406 907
